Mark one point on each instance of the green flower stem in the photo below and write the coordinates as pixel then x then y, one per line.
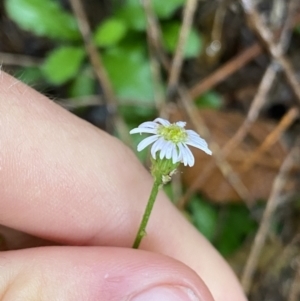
pixel 142 229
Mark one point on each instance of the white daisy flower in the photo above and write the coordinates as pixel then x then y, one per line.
pixel 171 140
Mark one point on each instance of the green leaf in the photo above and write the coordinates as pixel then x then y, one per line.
pixel 204 216
pixel 237 225
pixel 129 72
pixel 29 75
pixel 63 64
pixel 210 99
pixel 133 15
pixel 83 85
pixel 110 32
pixel 165 9
pixel 43 18
pixel 297 28
pixel 170 35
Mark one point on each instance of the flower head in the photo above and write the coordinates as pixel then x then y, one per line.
pixel 171 140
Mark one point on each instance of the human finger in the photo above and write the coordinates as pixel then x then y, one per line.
pixel 64 180
pixel 96 273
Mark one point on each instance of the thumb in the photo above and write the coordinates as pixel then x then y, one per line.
pixel 97 273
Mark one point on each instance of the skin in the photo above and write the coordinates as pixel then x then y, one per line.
pixel 65 181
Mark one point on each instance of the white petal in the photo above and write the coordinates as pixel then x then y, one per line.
pixel 192 133
pixel 157 146
pixel 164 149
pixel 143 130
pixel 201 144
pixel 147 141
pixel 148 124
pixel 162 121
pixel 183 154
pixel 175 155
pixel 169 150
pixel 182 124
pixel 190 156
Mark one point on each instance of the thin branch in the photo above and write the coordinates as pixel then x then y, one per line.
pixel 257 103
pixel 263 89
pixel 93 53
pixel 226 70
pixel 96 61
pixel 294 292
pixel 264 226
pixel 268 38
pixel 13 59
pixel 154 46
pixel 188 15
pixel 272 138
pixel 225 168
pixel 232 66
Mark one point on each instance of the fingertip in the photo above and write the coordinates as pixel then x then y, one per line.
pixel 94 273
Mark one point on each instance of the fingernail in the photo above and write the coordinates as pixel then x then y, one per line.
pixel 166 293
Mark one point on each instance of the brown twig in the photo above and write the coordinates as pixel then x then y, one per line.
pixel 264 226
pixel 257 103
pixel 94 100
pixel 294 293
pixel 215 43
pixel 226 70
pixel 263 89
pixel 154 46
pixel 225 168
pixel 96 62
pixel 154 35
pixel 230 67
pixel 268 38
pixel 19 60
pixel 177 61
pixel 272 138
pixel 93 53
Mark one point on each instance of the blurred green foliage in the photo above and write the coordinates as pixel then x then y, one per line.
pixel 43 18
pixel 170 32
pixel 63 63
pixel 209 100
pixel 226 227
pixel 204 216
pixel 110 32
pixel 122 40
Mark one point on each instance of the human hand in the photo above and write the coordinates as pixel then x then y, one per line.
pixel 63 180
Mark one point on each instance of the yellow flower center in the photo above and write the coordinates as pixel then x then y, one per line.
pixel 173 133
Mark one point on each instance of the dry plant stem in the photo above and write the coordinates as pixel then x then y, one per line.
pixel 267 36
pixel 95 59
pixel 272 138
pixel 257 103
pixel 225 168
pixel 263 89
pixel 154 34
pixel 153 38
pixel 294 292
pixel 217 28
pixel 230 67
pixel 225 71
pixel 13 59
pixel 264 226
pixel 188 15
pixel 92 51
